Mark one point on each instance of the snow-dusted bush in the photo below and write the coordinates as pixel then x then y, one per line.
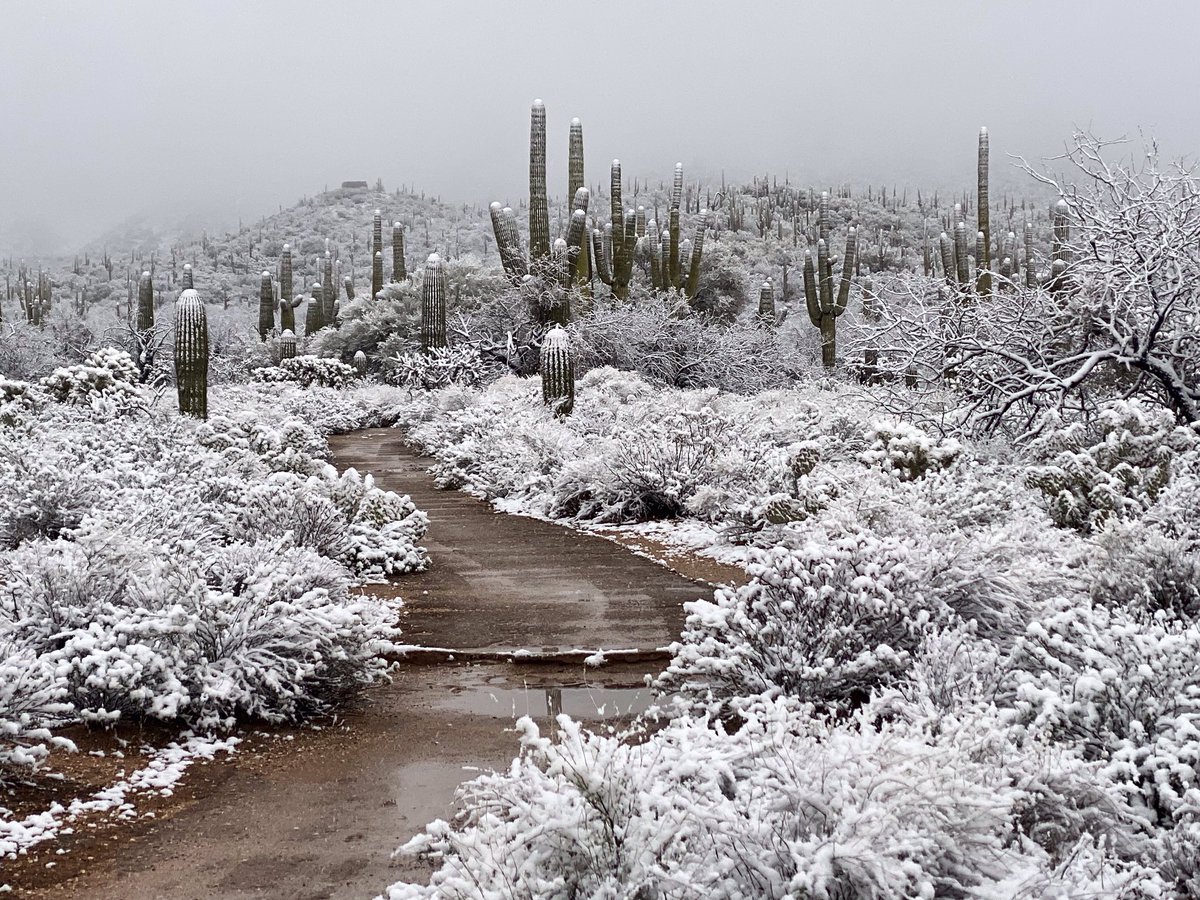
pixel 787 806
pixel 17 400
pixel 160 567
pixel 109 374
pixel 828 622
pixel 907 451
pixel 309 370
pixel 1118 687
pixel 438 368
pixel 1090 478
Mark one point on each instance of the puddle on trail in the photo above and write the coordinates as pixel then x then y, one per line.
pixel 587 703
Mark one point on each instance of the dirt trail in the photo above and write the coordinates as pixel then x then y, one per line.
pixel 315 814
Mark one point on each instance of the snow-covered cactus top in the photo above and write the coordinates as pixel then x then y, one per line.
pixel 433 304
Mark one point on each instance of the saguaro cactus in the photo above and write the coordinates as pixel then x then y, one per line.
pixel 328 292
pixel 287 344
pixel 314 314
pixel 145 304
pixel 191 354
pixel 766 303
pixel 187 276
pixel 377 233
pixel 558 372
pixel 539 209
pixel 823 307
pixel 266 306
pixel 376 274
pixel 399 273
pixel 285 275
pixel 983 261
pixel 433 304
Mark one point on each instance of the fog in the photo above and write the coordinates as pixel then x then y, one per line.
pixel 222 110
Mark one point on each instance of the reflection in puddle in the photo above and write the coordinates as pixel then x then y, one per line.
pixel 582 703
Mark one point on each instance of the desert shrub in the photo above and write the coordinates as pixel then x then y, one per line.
pixel 108 374
pixel 1089 478
pixel 828 622
pixel 17 401
pixel 1121 689
pixel 309 370
pixel 437 368
pixel 906 451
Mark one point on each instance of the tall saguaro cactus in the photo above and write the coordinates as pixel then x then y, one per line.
pixel 266 306
pixel 539 208
pixel 823 306
pixel 558 372
pixel 433 304
pixel 329 292
pixel 983 260
pixel 191 354
pixel 376 274
pixel 187 276
pixel 285 275
pixel 314 314
pixel 399 272
pixel 575 158
pixel 145 304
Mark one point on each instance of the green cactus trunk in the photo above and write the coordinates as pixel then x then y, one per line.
pixel 433 305
pixel 191 354
pixel 145 304
pixel 285 274
pixel 558 372
pixel 187 277
pixel 377 233
pixel 1031 278
pixel 329 292
pixel 399 272
pixel 766 303
pixel 962 266
pixel 539 208
pixel 376 274
pixel 693 279
pixel 983 261
pixel 315 312
pixel 266 306
pixel 575 158
pixel 287 345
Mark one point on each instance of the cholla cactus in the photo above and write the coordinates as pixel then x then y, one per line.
pixel 266 306
pixel 399 272
pixel 823 307
pixel 191 354
pixel 558 372
pixel 433 305
pixel 287 345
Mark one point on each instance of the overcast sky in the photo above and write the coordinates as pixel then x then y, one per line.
pixel 115 108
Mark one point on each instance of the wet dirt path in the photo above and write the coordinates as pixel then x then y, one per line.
pixel 316 813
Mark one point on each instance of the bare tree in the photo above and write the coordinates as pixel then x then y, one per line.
pixel 1118 316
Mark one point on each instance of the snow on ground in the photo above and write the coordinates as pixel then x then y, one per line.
pixel 161 773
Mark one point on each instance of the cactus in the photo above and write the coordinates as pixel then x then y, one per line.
pixel 983 260
pixel 575 158
pixel 1031 279
pixel 766 303
pixel 360 362
pixel 287 312
pixel 187 277
pixel 145 304
pixel 287 344
pixel 1062 231
pixel 823 307
pixel 314 314
pixel 376 274
pixel 348 285
pixel 328 292
pixel 539 209
pixel 873 314
pixel 697 251
pixel 377 233
pixel 946 248
pixel 266 306
pixel 962 266
pixel 285 275
pixel 399 272
pixel 191 354
pixel 433 305
pixel 558 372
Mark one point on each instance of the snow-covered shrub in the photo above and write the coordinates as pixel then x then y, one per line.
pixel 907 451
pixel 17 401
pixel 438 368
pixel 1118 687
pixel 1142 570
pixel 30 698
pixel 1088 479
pixel 309 370
pixel 84 383
pixel 827 621
pixel 788 806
